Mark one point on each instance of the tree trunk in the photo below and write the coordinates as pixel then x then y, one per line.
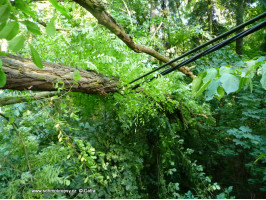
pixel 240 8
pixel 23 74
pixel 210 15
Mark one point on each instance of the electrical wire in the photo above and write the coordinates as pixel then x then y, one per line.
pixel 209 50
pixel 204 45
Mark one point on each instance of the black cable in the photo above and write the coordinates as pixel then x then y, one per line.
pixel 217 46
pixel 204 45
pixel 210 50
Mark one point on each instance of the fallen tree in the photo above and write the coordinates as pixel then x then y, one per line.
pixel 23 74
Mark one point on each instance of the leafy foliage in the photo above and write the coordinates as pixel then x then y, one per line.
pixel 162 141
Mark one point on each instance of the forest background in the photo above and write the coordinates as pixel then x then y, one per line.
pixel 195 133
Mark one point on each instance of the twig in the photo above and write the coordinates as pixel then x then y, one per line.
pixel 129 14
pixel 11 169
pixel 24 146
pixel 58 29
pixel 5 160
pixel 157 29
pixel 198 114
pixel 51 117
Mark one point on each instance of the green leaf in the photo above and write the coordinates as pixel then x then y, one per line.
pixel 1 63
pixel 67 182
pixel 250 63
pixel 262 58
pixel 220 93
pixel 263 73
pixel 2 26
pixel 35 57
pixel 4 13
pixel 50 28
pixel 76 75
pixel 225 70
pixel 11 119
pixel 202 88
pixel 230 83
pixel 10 30
pixel 252 66
pixel 196 83
pixel 32 27
pixel 20 4
pixel 60 8
pixel 242 82
pixel 2 78
pixel 16 43
pixel 211 74
pixel 212 90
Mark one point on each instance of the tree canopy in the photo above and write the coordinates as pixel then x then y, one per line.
pixel 73 126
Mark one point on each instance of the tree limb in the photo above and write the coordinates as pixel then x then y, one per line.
pixel 24 146
pixel 4 101
pixel 97 9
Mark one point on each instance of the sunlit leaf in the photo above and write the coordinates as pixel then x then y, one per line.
pixel 225 70
pixel 4 13
pixel 2 79
pixel 60 8
pixel 212 90
pixel 50 28
pixel 230 83
pixel 76 75
pixel 211 74
pixel 220 93
pixel 20 4
pixel 32 27
pixel 35 57
pixel 16 43
pixel 196 83
pixel 202 88
pixel 263 73
pixel 10 30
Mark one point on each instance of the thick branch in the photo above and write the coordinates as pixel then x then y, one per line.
pixel 22 74
pixel 97 9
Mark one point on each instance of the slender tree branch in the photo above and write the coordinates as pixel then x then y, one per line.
pixel 24 98
pixel 128 12
pixel 24 146
pixel 157 29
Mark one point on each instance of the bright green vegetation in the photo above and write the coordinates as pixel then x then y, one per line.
pixel 174 138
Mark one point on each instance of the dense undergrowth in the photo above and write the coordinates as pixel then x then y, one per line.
pixel 157 142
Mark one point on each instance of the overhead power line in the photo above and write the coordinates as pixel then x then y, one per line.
pixel 210 50
pixel 205 44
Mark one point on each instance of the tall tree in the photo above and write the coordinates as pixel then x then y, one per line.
pixel 240 10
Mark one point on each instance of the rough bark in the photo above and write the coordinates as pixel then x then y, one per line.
pixel 97 9
pixel 23 74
